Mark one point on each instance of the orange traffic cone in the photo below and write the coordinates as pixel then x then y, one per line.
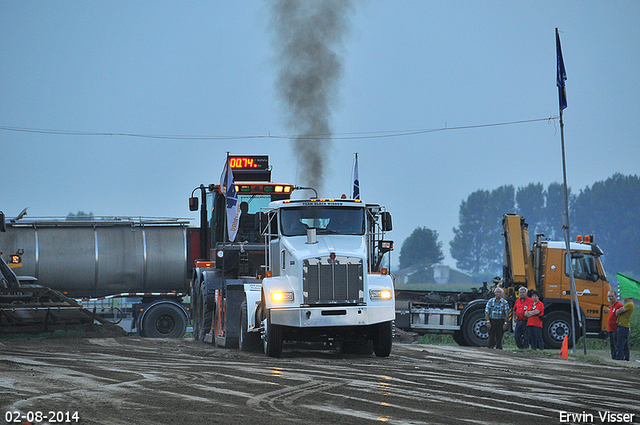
pixel 564 351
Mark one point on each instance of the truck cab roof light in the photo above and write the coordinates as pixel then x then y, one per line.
pixel 262 188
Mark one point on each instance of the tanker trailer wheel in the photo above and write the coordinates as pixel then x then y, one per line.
pixel 383 339
pixel 475 328
pixel 247 341
pixel 272 338
pixel 555 326
pixel 164 321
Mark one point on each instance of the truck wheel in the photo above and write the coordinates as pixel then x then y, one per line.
pixel 247 341
pixel 383 339
pixel 272 339
pixel 555 326
pixel 164 321
pixel 198 314
pixel 206 312
pixel 475 328
pixel 458 337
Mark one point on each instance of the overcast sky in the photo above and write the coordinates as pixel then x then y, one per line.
pixel 209 68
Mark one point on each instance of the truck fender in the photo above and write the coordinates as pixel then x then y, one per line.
pixel 475 304
pixel 212 279
pixel 377 281
pixel 253 309
pixel 279 283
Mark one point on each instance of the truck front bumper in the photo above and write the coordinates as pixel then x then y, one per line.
pixel 302 317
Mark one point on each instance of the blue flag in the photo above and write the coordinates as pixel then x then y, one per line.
pixel 561 75
pixel 228 187
pixel 356 181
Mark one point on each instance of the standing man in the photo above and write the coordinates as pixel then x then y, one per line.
pixel 612 324
pixel 624 314
pixel 534 322
pixel 522 305
pixel 496 313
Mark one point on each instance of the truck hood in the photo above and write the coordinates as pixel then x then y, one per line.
pixel 343 245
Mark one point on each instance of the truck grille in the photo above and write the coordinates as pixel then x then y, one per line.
pixel 338 281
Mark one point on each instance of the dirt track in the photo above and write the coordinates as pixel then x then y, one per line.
pixel 149 381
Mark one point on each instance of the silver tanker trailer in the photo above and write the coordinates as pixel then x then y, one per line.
pixel 131 271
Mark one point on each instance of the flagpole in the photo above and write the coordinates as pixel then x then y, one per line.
pixel 226 216
pixel 225 236
pixel 567 239
pixel 575 305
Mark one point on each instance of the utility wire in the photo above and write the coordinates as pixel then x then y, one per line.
pixel 334 136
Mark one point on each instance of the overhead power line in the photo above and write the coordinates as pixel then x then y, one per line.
pixel 341 136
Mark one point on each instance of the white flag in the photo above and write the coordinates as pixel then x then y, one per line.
pixel 229 189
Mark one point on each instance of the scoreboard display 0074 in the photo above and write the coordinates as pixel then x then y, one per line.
pixel 253 162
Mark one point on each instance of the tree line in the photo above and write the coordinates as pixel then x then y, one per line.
pixel 608 210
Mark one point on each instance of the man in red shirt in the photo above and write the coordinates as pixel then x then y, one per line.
pixel 520 333
pixel 534 322
pixel 612 326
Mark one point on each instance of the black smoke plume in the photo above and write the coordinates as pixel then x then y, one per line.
pixel 307 36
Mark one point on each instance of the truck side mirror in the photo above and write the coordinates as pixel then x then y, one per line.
pixel 386 221
pixel 3 226
pixel 193 204
pixel 385 246
pixel 596 250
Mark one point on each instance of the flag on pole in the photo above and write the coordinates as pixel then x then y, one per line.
pixel 229 189
pixel 629 288
pixel 561 75
pixel 356 180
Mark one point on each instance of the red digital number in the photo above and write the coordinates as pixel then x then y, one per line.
pixel 242 162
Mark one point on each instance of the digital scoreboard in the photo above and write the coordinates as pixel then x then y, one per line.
pixel 250 167
pixel 253 162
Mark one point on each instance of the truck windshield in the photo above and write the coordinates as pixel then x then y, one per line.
pixel 341 221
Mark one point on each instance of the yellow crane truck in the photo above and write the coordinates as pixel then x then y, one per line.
pixel 543 268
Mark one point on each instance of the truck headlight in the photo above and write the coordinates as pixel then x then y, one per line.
pixel 282 296
pixel 380 294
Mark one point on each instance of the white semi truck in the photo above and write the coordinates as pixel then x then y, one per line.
pixel 298 270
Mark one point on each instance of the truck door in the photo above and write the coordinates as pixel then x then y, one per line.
pixel 590 284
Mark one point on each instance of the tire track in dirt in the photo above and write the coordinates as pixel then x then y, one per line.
pixel 145 381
